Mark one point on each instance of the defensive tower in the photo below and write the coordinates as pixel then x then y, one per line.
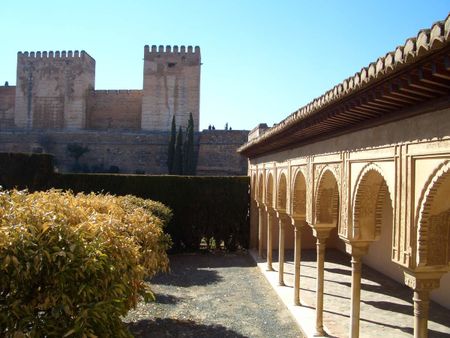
pixel 51 89
pixel 171 86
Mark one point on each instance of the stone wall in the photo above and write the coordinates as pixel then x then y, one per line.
pixel 114 109
pixel 51 89
pixel 7 99
pixel 217 153
pixel 171 87
pixel 131 152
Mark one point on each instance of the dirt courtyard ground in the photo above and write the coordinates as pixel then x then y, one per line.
pixel 212 295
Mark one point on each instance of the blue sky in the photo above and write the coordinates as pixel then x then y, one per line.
pixel 262 59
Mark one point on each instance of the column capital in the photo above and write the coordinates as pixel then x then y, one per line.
pixel 422 280
pixel 282 215
pixel 322 230
pixel 356 248
pixel 298 221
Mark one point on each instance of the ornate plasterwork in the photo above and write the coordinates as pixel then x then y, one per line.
pixel 368 199
pixel 298 190
pixel 327 194
pixel 430 227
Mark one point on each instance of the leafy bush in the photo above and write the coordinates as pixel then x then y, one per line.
pixel 72 265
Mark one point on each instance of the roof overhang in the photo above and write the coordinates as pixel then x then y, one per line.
pixel 397 86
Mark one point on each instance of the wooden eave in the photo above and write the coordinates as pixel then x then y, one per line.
pixel 385 91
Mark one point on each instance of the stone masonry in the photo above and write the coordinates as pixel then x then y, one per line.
pixel 55 103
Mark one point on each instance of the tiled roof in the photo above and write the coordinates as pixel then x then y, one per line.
pixel 427 42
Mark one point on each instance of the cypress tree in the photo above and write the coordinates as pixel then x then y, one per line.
pixel 178 158
pixel 189 162
pixel 171 150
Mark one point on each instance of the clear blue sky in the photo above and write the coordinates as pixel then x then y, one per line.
pixel 262 60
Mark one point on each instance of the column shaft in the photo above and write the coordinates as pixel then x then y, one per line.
pixel 260 231
pixel 281 253
pixel 356 296
pixel 297 257
pixel 319 289
pixel 421 308
pixel 269 241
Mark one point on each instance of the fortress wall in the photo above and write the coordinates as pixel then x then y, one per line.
pixel 130 151
pixel 114 109
pixel 7 101
pixel 171 86
pixel 217 153
pixel 51 89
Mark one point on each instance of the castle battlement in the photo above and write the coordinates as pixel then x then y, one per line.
pixel 56 55
pixel 172 50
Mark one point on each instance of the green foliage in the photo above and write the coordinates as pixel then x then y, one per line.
pixel 178 158
pixel 76 150
pixel 171 150
pixel 73 265
pixel 203 207
pixel 189 160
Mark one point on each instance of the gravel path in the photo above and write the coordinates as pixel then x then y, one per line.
pixel 212 295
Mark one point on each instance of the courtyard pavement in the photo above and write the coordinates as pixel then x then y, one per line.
pixel 212 295
pixel 386 306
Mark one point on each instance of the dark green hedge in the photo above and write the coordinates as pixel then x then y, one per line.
pixel 21 171
pixel 203 207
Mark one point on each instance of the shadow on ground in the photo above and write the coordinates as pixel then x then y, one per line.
pixel 167 327
pixel 186 271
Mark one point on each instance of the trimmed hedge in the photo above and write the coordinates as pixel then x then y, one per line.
pixel 203 207
pixel 31 171
pixel 74 265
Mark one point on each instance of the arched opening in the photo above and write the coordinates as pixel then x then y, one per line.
pixel 262 225
pixel 327 208
pixel 299 210
pixel 270 188
pixel 282 193
pixel 434 232
pixel 373 222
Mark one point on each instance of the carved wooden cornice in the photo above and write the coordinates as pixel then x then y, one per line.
pixel 415 75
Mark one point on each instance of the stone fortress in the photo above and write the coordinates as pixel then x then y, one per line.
pixel 54 103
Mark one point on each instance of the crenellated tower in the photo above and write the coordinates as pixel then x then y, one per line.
pixel 51 89
pixel 171 86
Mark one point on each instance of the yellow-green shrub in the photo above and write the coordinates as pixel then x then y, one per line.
pixel 72 265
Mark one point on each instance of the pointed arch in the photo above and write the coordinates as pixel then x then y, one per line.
pixel 371 192
pixel 260 190
pixel 433 221
pixel 282 192
pixel 327 199
pixel 299 194
pixel 269 190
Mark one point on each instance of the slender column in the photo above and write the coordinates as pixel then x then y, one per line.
pixel 269 240
pixel 260 230
pixel 297 258
pixel 321 232
pixel 422 283
pixel 357 250
pixel 281 251
pixel 421 309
